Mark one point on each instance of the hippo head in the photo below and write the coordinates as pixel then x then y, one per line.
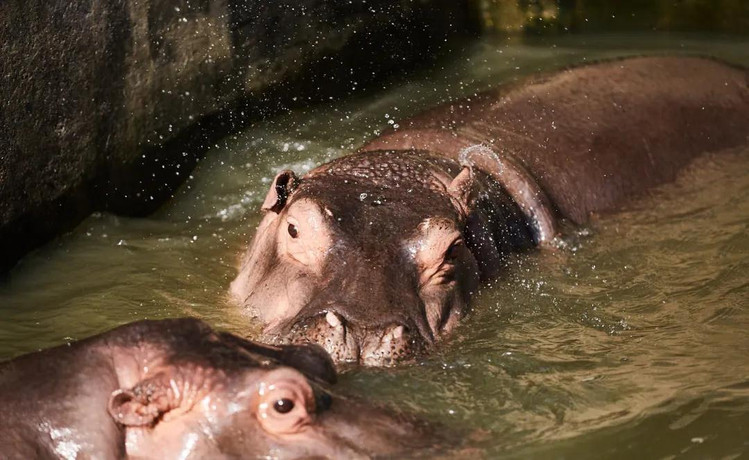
pixel 220 396
pixel 366 255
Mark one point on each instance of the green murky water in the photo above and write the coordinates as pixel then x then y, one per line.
pixel 633 343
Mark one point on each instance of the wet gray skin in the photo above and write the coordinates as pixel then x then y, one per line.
pixel 177 389
pixel 375 255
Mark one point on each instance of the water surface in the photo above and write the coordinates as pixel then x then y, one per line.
pixel 633 342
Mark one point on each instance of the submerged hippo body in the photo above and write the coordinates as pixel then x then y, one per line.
pixel 375 255
pixel 177 389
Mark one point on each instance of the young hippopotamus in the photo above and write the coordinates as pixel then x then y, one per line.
pixel 177 389
pixel 375 255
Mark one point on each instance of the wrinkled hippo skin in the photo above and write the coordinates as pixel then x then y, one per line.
pixel 178 389
pixel 375 255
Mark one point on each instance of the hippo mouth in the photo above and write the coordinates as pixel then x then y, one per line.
pixel 349 342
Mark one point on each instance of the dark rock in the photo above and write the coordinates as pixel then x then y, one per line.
pixel 103 103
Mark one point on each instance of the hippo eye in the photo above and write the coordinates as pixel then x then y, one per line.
pixel 283 406
pixel 454 250
pixel 285 402
pixel 293 232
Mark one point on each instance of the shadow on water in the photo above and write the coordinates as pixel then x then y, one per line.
pixel 632 342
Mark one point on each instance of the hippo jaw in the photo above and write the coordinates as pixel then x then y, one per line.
pixel 419 315
pixel 347 342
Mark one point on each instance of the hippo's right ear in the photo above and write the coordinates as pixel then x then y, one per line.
pixel 137 407
pixel 283 186
pixel 462 190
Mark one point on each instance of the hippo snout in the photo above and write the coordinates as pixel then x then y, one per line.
pixel 350 341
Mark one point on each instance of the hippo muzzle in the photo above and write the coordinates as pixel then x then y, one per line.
pixel 348 342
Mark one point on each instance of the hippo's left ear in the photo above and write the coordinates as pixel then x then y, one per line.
pixel 283 185
pixel 462 190
pixel 142 405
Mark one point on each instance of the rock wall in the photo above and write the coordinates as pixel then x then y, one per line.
pixel 108 104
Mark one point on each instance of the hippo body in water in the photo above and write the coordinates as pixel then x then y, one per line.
pixel 375 255
pixel 177 389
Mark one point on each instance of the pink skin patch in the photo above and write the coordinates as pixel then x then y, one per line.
pixel 303 235
pixel 435 250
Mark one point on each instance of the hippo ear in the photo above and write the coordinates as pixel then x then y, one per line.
pixel 462 191
pixel 283 186
pixel 143 405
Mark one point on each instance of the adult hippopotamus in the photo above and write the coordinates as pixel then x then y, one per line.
pixel 375 255
pixel 177 389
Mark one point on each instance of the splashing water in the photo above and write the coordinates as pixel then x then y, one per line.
pixel 630 340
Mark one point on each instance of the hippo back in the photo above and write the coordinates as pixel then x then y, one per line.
pixel 593 136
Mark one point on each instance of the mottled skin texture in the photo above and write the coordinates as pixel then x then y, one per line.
pixel 375 255
pixel 177 389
